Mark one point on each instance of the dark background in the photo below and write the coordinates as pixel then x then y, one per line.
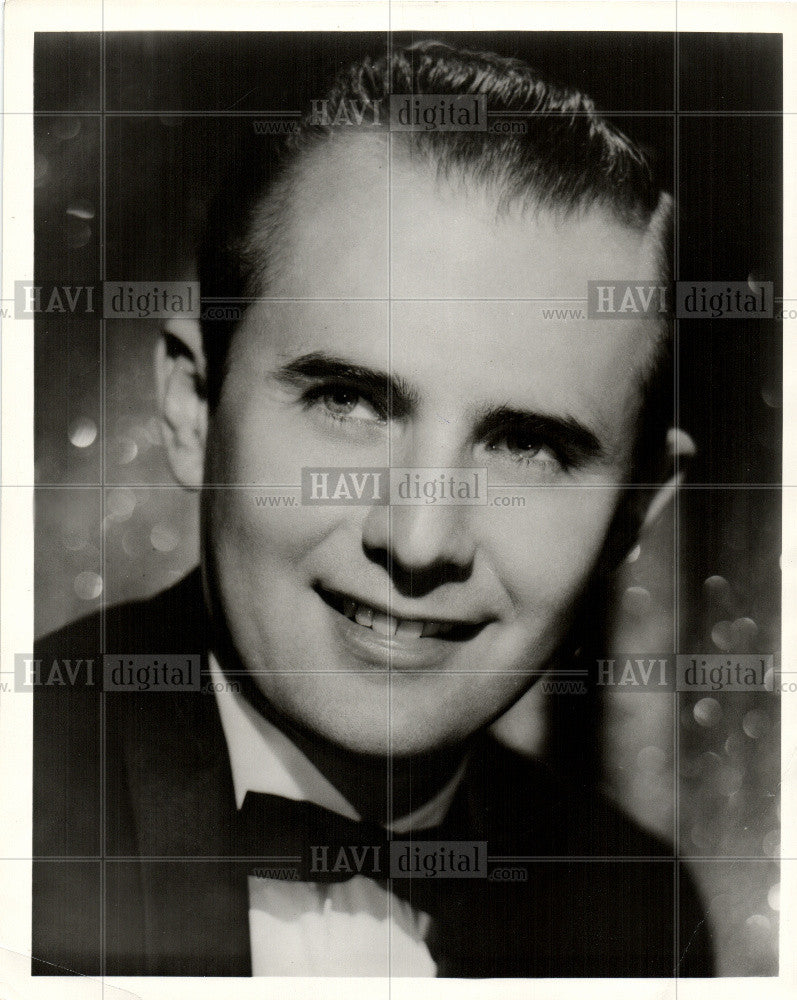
pixel 132 135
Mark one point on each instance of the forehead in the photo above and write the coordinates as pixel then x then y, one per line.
pixel 368 218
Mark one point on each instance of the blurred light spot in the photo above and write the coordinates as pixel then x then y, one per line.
pixel 137 432
pixel 41 169
pixel 735 745
pixel 126 450
pixel 120 504
pixel 756 724
pixel 758 925
pixel 773 896
pixel 771 844
pixel 716 588
pixel 634 554
pixel 82 432
pixel 746 630
pixel 679 442
pixel 66 128
pixel 164 538
pixel 78 236
pixel 636 601
pixel 734 636
pixel 722 635
pixel 140 430
pixel 88 586
pixel 81 210
pixel 707 713
pixel 755 281
pixel 772 396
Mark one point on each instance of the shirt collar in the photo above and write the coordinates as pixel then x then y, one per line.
pixel 264 759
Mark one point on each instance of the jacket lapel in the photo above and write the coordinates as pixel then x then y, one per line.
pixel 172 770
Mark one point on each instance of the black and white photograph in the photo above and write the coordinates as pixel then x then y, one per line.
pixel 406 437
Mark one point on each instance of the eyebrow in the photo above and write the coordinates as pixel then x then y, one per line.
pixel 320 366
pixel 570 435
pixel 572 438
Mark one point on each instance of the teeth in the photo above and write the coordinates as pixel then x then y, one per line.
pixel 389 626
pixel 364 615
pixel 410 630
pixel 384 624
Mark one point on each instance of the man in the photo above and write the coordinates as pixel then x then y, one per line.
pixel 393 285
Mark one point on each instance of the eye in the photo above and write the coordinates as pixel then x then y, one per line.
pixel 525 446
pixel 343 403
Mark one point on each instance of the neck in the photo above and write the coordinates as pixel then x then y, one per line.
pixel 381 789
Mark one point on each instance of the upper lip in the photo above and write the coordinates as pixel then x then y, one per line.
pixel 406 614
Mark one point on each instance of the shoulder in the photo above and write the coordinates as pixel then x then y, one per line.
pixel 616 898
pixel 72 722
pixel 172 616
pixel 556 814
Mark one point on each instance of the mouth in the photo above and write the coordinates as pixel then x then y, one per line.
pixel 390 626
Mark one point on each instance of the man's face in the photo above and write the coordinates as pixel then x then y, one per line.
pixel 387 274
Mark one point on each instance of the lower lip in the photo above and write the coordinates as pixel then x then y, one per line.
pixel 390 652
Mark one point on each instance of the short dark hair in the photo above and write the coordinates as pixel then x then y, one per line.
pixel 568 159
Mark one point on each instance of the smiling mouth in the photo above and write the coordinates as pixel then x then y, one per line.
pixel 391 626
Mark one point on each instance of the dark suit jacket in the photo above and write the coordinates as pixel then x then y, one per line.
pixel 133 830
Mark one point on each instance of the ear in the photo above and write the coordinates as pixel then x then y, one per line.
pixel 680 447
pixel 640 508
pixel 180 374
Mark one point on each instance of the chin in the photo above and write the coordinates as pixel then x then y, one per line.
pixel 362 725
pixel 412 733
pixel 401 744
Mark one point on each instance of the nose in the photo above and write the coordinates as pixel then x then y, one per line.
pixel 427 540
pixel 422 545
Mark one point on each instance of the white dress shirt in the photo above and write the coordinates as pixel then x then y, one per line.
pixel 352 928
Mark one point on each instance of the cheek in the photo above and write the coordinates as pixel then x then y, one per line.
pixel 255 460
pixel 250 444
pixel 449 711
pixel 548 548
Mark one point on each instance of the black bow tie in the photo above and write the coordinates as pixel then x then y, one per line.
pixel 316 844
pixel 305 842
